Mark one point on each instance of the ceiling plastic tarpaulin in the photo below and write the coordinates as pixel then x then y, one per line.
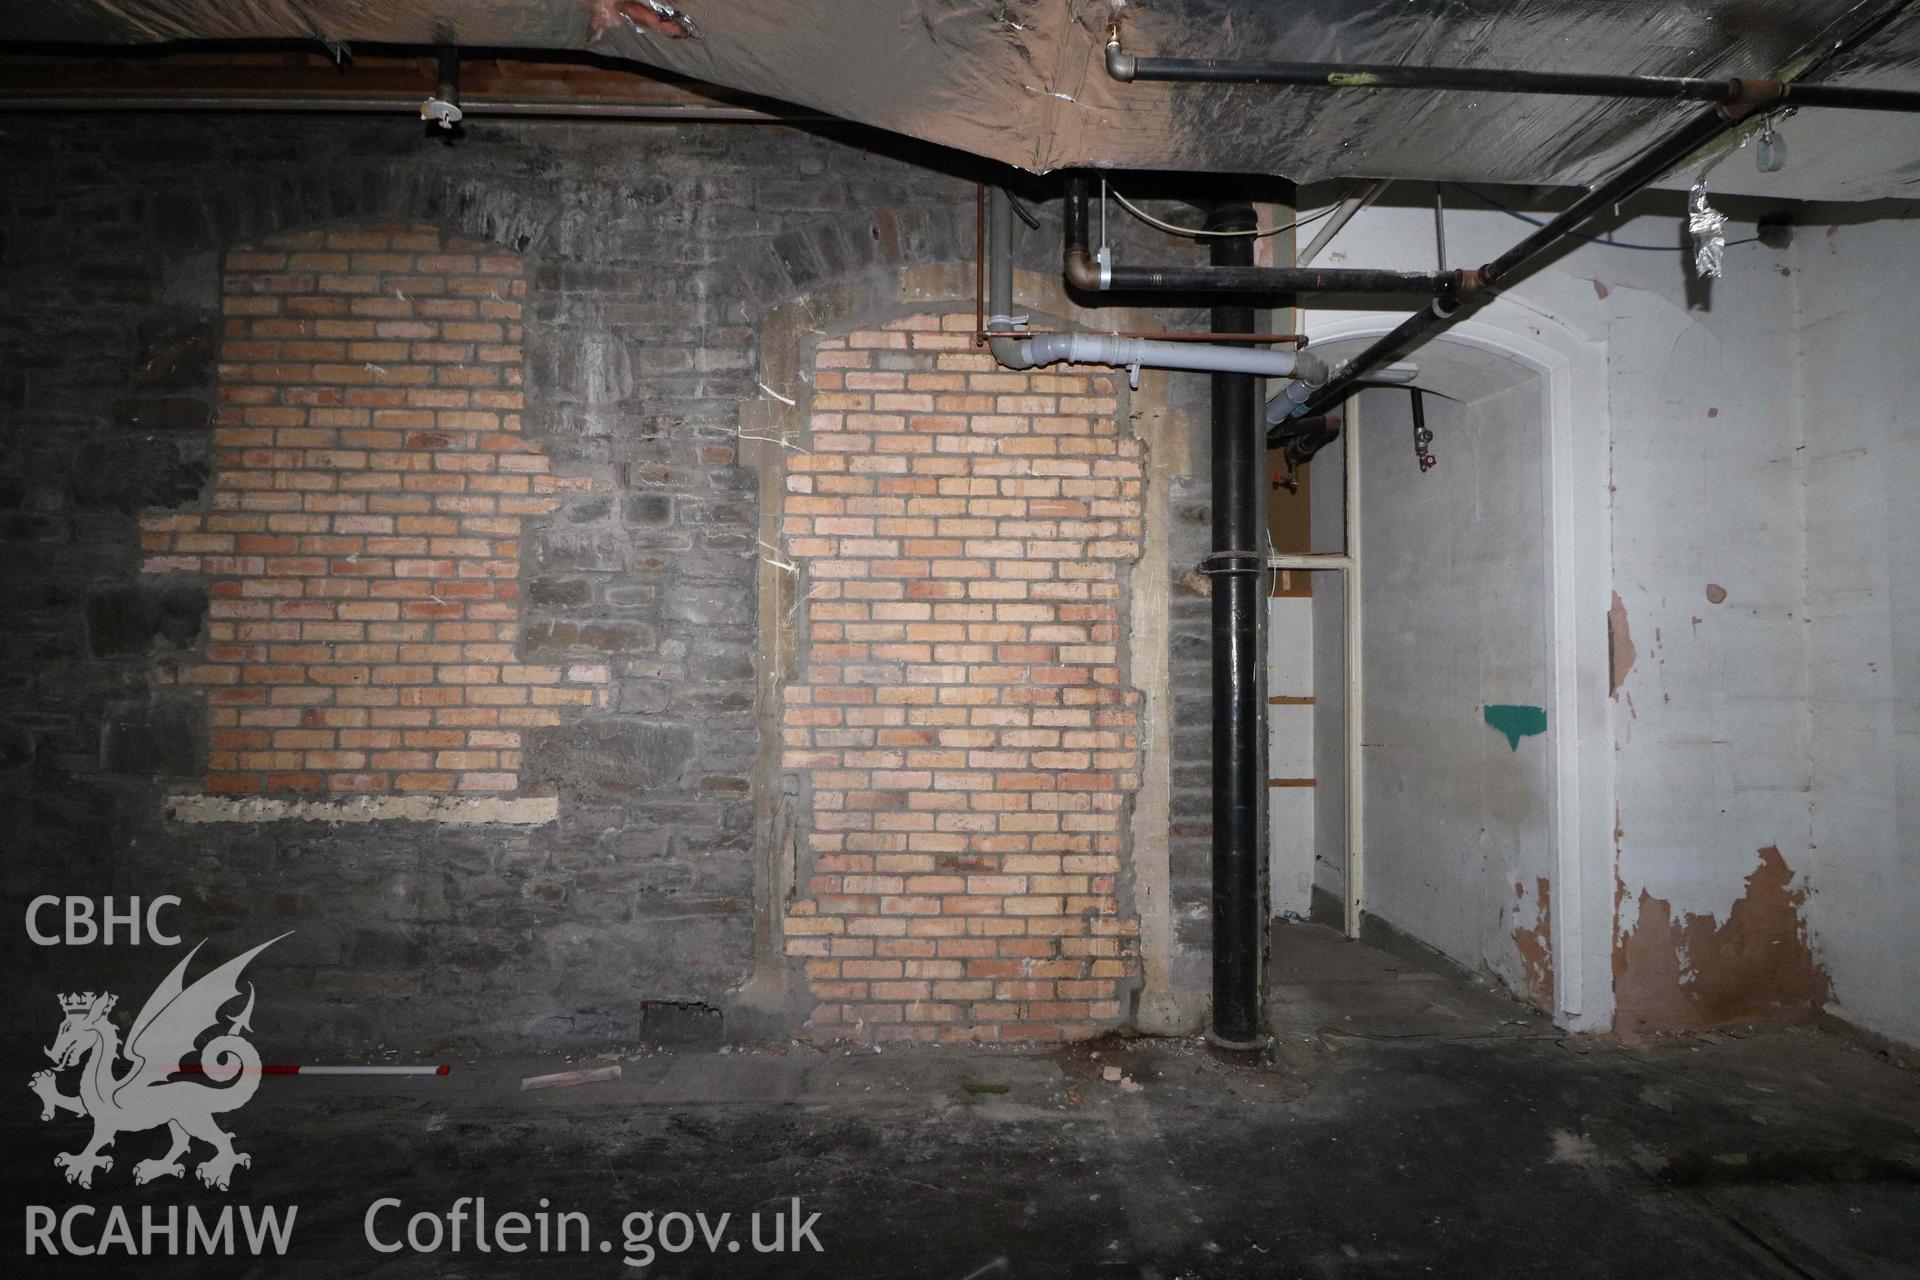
pixel 1023 81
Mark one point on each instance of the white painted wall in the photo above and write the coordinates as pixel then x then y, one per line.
pixel 1860 379
pixel 1290 755
pixel 1454 592
pixel 1763 436
pixel 1330 684
pixel 1706 484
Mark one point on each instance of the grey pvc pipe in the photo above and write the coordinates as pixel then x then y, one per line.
pixel 1199 357
pixel 1014 351
pixel 999 253
pixel 1000 279
pixel 1297 392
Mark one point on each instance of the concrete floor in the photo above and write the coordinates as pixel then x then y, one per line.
pixel 1405 1123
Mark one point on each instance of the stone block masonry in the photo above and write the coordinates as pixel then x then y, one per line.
pixel 362 537
pixel 962 718
pixel 651 257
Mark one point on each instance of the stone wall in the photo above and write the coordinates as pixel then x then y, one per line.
pixel 648 265
pixel 1190 683
pixel 599 878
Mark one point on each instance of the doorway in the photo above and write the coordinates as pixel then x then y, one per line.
pixel 1473 652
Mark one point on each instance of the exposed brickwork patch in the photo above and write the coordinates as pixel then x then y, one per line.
pixel 362 536
pixel 963 717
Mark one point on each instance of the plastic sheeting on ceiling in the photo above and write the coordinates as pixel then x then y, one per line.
pixel 1023 81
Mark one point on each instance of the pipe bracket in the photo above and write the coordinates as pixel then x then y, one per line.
pixel 1234 562
pixel 1746 97
pixel 1471 286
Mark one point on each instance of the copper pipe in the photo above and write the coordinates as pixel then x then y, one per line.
pixel 1256 339
pixel 1294 339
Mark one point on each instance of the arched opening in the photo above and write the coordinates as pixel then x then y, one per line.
pixel 1454 803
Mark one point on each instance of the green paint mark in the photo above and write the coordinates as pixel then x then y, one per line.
pixel 1352 79
pixel 1516 722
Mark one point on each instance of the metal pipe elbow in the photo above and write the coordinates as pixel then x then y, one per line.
pixel 1081 271
pixel 1121 66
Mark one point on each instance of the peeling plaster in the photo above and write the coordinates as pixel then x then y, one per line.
pixel 1535 945
pixel 1620 650
pixel 1757 966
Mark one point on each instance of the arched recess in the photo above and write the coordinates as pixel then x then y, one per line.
pixel 1578 530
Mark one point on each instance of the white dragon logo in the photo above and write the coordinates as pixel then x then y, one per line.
pixel 145 1097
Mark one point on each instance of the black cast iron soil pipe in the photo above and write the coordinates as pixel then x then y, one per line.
pixel 1235 569
pixel 1237 276
pixel 1739 91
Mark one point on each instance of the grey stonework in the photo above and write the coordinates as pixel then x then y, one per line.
pixel 652 254
pixel 1190 679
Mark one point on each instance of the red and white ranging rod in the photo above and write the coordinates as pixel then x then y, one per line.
pixel 303 1069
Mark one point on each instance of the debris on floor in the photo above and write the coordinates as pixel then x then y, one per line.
pixel 569 1079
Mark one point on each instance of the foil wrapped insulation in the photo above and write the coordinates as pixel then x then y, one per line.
pixel 1024 82
pixel 1707 228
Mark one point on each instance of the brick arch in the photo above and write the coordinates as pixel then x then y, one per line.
pixel 521 217
pixel 361 531
pixel 504 216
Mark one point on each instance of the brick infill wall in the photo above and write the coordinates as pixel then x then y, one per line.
pixel 963 716
pixel 362 536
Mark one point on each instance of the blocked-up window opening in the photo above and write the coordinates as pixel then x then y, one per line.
pixel 361 534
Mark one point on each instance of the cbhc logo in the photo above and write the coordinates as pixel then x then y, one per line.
pixel 83 926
